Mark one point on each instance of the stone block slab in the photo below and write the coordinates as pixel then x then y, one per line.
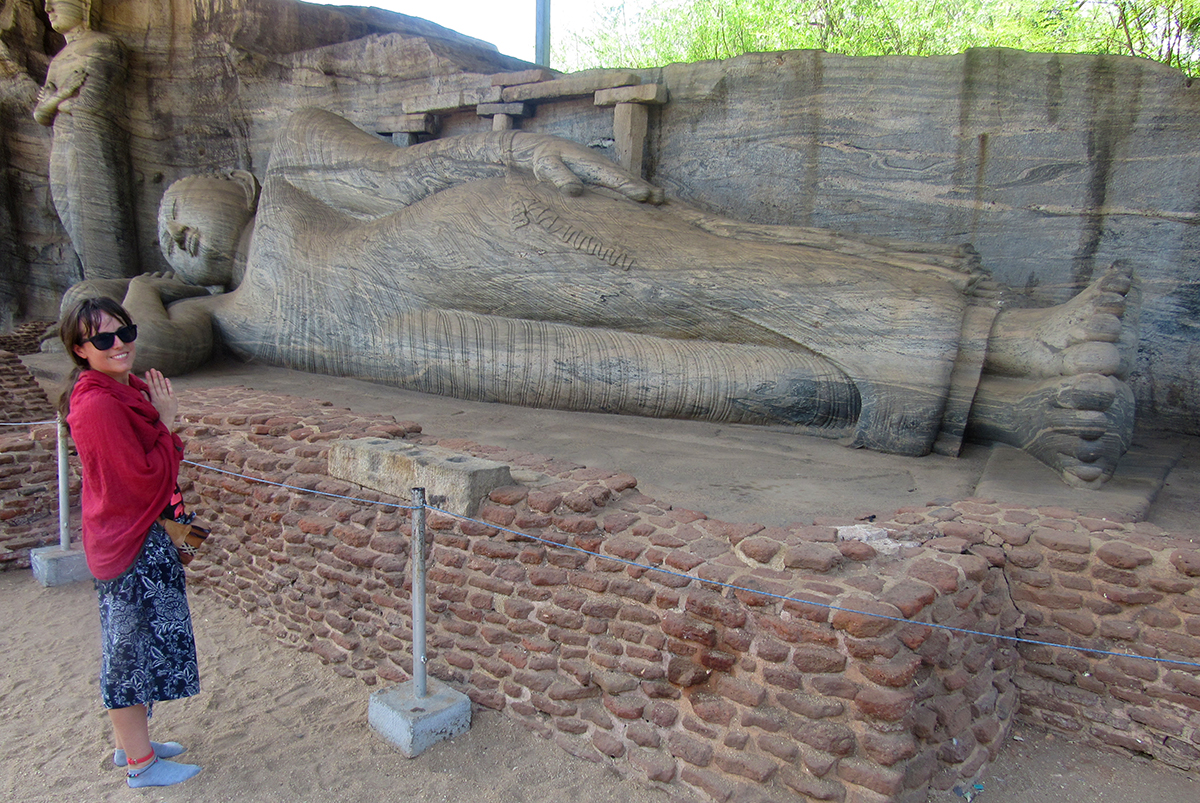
pixel 654 94
pixel 577 85
pixel 511 109
pixel 521 77
pixel 452 481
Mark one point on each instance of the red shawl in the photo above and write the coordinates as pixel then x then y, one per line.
pixel 130 467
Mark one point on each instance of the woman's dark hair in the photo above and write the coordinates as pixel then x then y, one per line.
pixel 77 324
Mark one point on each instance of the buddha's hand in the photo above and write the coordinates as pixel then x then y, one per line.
pixel 73 83
pixel 569 166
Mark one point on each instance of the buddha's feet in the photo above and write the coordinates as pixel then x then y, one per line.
pixel 1081 336
pixel 1078 425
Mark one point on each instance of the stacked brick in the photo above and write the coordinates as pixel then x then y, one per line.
pixel 28 466
pixel 25 338
pixel 1096 583
pixel 750 667
pixel 22 397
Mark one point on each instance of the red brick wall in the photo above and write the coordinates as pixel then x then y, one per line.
pixel 709 690
pixel 28 464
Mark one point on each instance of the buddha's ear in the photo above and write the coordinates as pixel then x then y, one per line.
pixel 249 185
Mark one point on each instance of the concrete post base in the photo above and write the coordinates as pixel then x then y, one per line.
pixel 55 566
pixel 414 724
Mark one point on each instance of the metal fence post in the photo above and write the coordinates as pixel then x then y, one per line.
pixel 418 591
pixel 64 499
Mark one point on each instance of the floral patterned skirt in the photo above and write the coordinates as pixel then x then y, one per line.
pixel 147 649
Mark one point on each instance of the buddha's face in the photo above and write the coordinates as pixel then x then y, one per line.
pixel 66 15
pixel 200 221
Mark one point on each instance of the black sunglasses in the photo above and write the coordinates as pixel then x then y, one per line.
pixel 106 340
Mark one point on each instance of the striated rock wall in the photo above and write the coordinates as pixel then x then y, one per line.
pixel 208 84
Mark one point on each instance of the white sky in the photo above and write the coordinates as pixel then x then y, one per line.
pixel 508 24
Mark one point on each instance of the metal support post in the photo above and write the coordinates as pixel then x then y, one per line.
pixel 541 43
pixel 64 498
pixel 418 591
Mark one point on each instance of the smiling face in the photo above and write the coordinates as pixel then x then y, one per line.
pixel 116 362
pixel 200 220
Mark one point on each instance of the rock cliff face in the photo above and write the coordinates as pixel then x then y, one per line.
pixel 208 82
pixel 1053 166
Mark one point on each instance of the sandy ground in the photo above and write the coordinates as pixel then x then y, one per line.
pixel 273 724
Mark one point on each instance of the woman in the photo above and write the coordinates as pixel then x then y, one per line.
pixel 130 459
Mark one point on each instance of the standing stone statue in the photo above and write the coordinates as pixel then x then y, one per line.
pixel 522 268
pixel 84 101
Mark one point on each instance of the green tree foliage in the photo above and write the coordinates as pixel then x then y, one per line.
pixel 636 33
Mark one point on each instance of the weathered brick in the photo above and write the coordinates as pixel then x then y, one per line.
pixel 608 744
pixel 714 709
pixel 1075 621
pixel 1172 642
pixel 778 746
pixel 810 706
pixel 761 550
pixel 866 649
pixel 1186 562
pixel 896 673
pixel 757 768
pixel 888 749
pixel 1188 684
pixel 1127 596
pixel 866 618
pixel 910 597
pixel 1060 541
pixel 884 704
pixel 818 659
pixel 835 686
pixel 941 576
pixel 1156 617
pixel 1047 598
pixel 685 673
pixel 815 788
pixel 1015 534
pixel 828 737
pixel 632 589
pixel 657 765
pixel 544 501
pixel 688 628
pixel 714 785
pixel 1120 555
pixel 1125 741
pixel 626 706
pixel 873 777
pixel 1025 557
pixel 812 556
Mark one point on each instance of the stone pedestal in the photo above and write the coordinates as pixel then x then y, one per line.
pixel 55 566
pixel 416 723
